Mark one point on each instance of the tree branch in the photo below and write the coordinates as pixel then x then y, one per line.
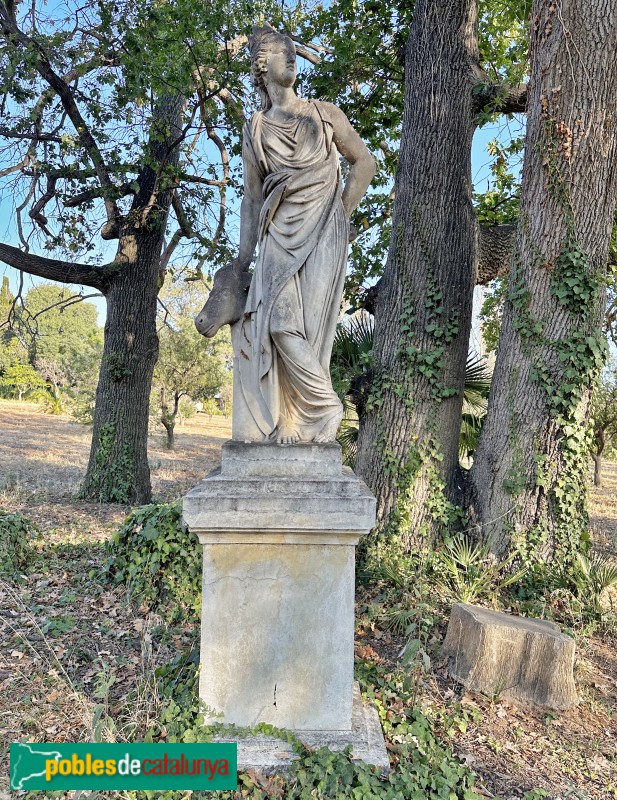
pixel 185 226
pixel 97 191
pixel 198 179
pixel 37 137
pixel 500 98
pixel 16 37
pixel 303 52
pixel 36 212
pixel 54 270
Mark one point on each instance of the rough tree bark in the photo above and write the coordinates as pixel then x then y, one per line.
pixel 118 466
pixel 529 473
pixel 495 245
pixel 408 445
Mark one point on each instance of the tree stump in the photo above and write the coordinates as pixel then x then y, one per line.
pixel 527 661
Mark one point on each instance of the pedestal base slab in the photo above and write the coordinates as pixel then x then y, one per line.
pixel 268 755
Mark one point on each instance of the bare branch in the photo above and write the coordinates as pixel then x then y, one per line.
pixel 36 212
pixel 169 250
pixel 20 208
pixel 303 52
pixel 17 38
pixel 227 100
pixel 33 135
pixel 66 303
pixel 317 48
pixel 199 179
pixel 185 226
pixel 16 167
pixel 62 271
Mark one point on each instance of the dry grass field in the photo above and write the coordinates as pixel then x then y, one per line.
pixel 70 644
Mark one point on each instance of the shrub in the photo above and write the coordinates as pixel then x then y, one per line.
pixel 471 572
pixel 588 578
pixel 16 535
pixel 159 561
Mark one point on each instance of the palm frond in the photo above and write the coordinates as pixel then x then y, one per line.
pixel 477 376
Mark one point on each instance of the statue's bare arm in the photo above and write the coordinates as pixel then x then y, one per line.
pixel 355 152
pixel 249 215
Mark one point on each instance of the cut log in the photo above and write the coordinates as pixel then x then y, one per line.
pixel 526 661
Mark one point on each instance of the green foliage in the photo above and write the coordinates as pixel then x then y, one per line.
pixel 17 535
pixel 351 353
pixel 20 378
pixel 424 768
pixel 500 203
pixel 189 364
pixel 362 73
pixel 475 403
pixel 211 408
pixel 503 39
pixel 351 370
pixel 472 573
pixel 58 329
pixel 604 412
pixel 51 400
pixel 116 366
pixel 57 349
pixel 491 313
pixel 159 561
pixel 588 577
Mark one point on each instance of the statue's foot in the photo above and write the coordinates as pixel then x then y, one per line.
pixel 328 432
pixel 287 436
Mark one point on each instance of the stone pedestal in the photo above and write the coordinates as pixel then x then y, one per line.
pixel 279 526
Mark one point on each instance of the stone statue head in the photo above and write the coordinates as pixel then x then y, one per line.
pixel 261 42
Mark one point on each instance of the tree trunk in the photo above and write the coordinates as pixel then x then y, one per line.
pixel 168 419
pixel 600 444
pixel 118 468
pixel 597 470
pixel 408 444
pixel 529 473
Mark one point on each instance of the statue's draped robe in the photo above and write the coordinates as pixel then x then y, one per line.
pixel 285 339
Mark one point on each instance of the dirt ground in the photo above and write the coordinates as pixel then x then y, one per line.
pixel 67 651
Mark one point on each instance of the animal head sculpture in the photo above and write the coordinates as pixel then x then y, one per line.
pixel 226 302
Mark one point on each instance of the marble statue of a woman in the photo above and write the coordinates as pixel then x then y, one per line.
pixel 296 211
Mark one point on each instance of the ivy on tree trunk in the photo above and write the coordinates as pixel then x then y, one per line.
pixel 530 471
pixel 408 444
